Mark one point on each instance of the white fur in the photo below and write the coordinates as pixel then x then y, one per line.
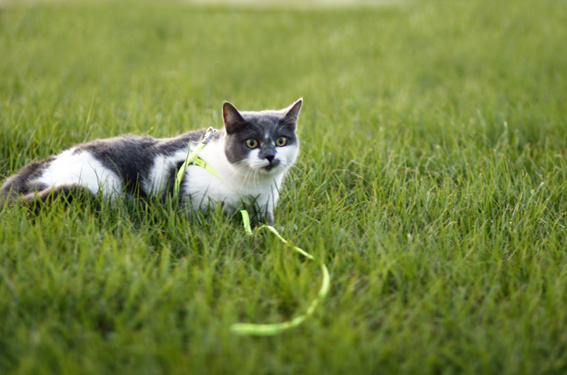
pixel 83 169
pixel 244 182
pixel 157 179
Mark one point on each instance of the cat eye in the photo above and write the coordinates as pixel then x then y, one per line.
pixel 281 141
pixel 251 143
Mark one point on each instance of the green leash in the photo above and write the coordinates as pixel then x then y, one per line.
pixel 250 328
pixel 276 328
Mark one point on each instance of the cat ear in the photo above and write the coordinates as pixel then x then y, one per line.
pixel 292 113
pixel 232 118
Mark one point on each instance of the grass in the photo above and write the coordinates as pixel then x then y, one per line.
pixel 432 182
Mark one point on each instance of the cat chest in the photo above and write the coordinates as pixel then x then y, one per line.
pixel 204 188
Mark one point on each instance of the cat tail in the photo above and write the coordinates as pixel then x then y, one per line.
pixel 8 196
pixel 37 200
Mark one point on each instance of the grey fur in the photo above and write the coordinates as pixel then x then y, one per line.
pixel 17 185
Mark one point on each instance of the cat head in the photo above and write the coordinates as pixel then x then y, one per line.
pixel 264 141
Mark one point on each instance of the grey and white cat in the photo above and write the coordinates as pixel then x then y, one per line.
pixel 250 156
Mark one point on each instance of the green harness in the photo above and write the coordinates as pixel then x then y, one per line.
pixel 193 158
pixel 250 328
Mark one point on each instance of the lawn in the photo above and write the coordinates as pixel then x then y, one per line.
pixel 432 182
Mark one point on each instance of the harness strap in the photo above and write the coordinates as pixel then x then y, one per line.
pixel 202 163
pixel 193 158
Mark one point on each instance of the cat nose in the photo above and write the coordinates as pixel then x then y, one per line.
pixel 270 157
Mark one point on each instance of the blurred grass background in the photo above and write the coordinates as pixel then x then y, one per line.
pixel 432 182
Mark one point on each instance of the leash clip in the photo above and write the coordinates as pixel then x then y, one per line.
pixel 209 134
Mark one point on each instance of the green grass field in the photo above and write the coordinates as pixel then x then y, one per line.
pixel 432 182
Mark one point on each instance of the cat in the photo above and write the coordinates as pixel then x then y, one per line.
pixel 246 164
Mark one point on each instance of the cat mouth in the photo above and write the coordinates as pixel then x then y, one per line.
pixel 271 166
